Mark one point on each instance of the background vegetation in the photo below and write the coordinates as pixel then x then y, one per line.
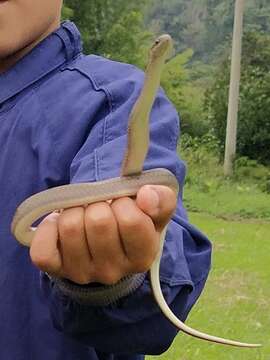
pixel 197 78
pixel 233 212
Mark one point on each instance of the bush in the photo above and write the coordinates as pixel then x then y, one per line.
pixel 246 168
pixel 203 168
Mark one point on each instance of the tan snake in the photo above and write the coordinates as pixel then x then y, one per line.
pixel 131 179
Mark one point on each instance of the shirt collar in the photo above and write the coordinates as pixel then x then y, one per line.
pixel 59 47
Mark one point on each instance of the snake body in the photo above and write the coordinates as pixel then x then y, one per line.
pixel 131 179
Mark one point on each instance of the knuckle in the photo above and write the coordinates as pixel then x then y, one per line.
pixel 41 261
pixel 109 276
pixel 131 223
pixel 98 220
pixel 69 225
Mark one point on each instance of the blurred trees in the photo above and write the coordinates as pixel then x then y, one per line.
pixel 110 28
pixel 254 107
pixel 205 25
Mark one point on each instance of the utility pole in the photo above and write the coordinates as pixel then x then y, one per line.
pixel 231 131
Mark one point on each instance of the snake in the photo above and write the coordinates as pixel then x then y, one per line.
pixel 132 178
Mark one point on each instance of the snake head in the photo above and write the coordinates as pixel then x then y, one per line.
pixel 162 47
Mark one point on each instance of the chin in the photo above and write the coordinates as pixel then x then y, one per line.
pixel 7 50
pixel 11 47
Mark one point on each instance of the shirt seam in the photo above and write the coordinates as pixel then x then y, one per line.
pixel 97 86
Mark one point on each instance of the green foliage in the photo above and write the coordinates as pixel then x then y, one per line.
pixel 200 154
pixel 67 13
pixel 174 77
pixel 243 196
pixel 205 25
pixel 113 29
pixel 202 31
pixel 257 172
pixel 180 18
pixel 130 45
pixel 265 186
pixel 254 107
pixel 186 97
pixel 257 15
pixel 247 168
pixel 193 119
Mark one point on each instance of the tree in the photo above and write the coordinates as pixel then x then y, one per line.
pixel 253 139
pixel 112 28
pixel 182 19
pixel 205 25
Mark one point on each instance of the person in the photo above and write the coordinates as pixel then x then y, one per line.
pixel 84 291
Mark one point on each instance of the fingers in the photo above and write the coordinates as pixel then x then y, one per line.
pixel 77 259
pixel 138 235
pixel 104 241
pixel 109 260
pixel 44 250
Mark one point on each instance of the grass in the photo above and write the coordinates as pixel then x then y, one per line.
pixel 235 302
pixel 230 201
pixel 235 214
pixel 207 191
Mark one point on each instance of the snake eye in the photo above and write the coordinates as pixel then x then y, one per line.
pixel 157 41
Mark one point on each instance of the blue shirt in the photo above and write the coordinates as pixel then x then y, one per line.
pixel 63 119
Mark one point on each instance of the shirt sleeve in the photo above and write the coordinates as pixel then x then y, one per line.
pixel 125 316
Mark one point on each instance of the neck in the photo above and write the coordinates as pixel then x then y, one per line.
pixel 7 62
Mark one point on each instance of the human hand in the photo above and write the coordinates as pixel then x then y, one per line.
pixel 104 241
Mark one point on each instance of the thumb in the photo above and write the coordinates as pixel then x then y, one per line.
pixel 44 250
pixel 157 201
